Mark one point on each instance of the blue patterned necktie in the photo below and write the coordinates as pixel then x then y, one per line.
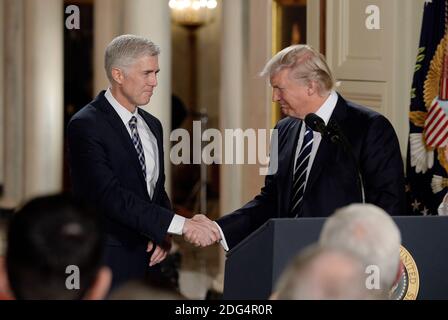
pixel 300 172
pixel 137 144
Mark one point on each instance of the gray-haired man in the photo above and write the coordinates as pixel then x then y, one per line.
pixel 116 162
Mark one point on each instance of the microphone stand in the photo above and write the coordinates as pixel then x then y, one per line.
pixel 336 136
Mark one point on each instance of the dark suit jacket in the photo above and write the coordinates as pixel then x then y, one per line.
pixel 106 173
pixel 332 182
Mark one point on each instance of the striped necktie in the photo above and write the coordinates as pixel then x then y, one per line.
pixel 137 144
pixel 300 172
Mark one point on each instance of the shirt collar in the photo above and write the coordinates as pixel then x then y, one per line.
pixel 124 113
pixel 326 110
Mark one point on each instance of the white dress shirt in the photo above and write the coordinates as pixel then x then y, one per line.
pixel 325 112
pixel 151 151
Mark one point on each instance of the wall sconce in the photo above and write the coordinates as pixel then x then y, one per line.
pixel 192 13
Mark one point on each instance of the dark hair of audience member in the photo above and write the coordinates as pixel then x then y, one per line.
pixel 46 236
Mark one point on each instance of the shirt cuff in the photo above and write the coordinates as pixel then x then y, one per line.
pixel 223 241
pixel 176 225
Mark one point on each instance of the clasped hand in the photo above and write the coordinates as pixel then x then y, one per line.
pixel 201 231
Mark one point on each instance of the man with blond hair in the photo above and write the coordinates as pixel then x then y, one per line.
pixel 315 175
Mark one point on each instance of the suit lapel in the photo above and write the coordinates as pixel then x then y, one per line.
pixel 115 121
pixel 324 154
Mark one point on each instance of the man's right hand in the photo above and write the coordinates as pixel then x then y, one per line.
pixel 201 231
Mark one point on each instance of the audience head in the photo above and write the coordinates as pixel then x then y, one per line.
pixel 147 289
pixel 54 251
pixel 319 273
pixel 368 232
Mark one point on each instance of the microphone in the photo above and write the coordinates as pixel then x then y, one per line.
pixel 316 123
pixel 334 133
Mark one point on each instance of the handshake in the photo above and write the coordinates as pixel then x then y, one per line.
pixel 201 231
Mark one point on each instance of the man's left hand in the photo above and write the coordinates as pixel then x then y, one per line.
pixel 160 252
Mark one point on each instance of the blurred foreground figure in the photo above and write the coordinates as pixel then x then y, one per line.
pixel 369 233
pixel 148 289
pixel 322 274
pixel 54 251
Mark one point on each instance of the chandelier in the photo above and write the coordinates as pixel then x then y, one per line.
pixel 192 13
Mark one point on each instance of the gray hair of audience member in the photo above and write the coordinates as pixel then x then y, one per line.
pixel 143 290
pixel 370 233
pixel 125 49
pixel 319 273
pixel 306 64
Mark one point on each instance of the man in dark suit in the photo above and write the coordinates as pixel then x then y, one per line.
pixel 116 161
pixel 316 176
